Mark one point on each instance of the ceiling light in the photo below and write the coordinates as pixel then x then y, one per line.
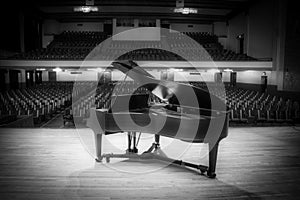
pixel 186 11
pixel 86 9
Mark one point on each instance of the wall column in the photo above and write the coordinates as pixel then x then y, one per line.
pixel 279 42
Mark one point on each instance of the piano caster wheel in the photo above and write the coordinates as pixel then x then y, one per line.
pixel 211 174
pixel 107 159
pixel 98 159
pixel 135 150
pixel 202 171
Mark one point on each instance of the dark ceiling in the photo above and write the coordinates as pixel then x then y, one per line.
pixel 208 10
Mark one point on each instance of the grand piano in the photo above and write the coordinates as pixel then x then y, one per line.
pixel 168 109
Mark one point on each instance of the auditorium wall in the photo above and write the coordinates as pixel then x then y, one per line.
pixel 187 76
pixel 257 25
pixel 261 29
pixel 51 27
pixel 226 77
pixel 251 80
pixel 54 27
pixel 10 30
pixel 291 73
pixel 247 77
pixel 195 76
pixel 22 78
pixel 45 76
pixel 119 76
pixel 140 34
pixel 237 26
pixel 77 76
pixel 191 27
pixel 47 39
pixel 254 77
pixel 220 28
pixel 6 75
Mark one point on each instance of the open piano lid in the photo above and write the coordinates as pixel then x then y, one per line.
pixel 174 93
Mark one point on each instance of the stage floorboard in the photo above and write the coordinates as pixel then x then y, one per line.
pixel 253 163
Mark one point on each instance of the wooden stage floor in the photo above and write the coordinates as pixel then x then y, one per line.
pixel 253 163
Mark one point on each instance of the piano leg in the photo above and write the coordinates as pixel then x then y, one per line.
pixel 156 143
pixel 98 143
pixel 155 146
pixel 134 150
pixel 129 142
pixel 157 139
pixel 212 160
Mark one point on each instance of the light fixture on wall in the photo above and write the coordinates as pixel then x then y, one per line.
pixel 57 69
pixel 175 70
pixel 241 36
pixel 213 71
pixel 96 69
pixel 228 70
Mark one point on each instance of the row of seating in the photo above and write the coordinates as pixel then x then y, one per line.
pixel 141 54
pixel 71 45
pixel 56 54
pixel 72 39
pixel 42 101
pixel 204 49
pixel 245 106
pixel 134 44
pixel 45 100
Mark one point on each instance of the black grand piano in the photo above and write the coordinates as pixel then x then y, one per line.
pixel 168 109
